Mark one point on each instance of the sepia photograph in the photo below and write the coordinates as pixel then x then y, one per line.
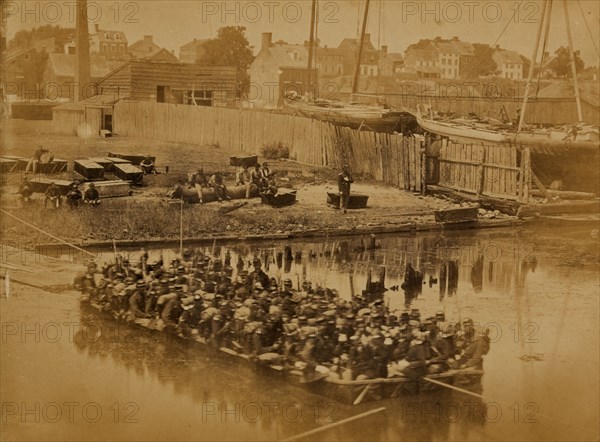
pixel 300 220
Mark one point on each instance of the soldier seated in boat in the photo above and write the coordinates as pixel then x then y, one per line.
pixel 172 310
pixel 472 356
pixel 444 347
pixel 137 301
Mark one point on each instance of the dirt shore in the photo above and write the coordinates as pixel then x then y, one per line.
pixel 148 215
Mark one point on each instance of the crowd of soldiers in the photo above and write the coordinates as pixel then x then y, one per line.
pixel 197 296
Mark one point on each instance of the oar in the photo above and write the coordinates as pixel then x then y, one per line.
pixel 452 387
pixel 362 395
pixel 334 424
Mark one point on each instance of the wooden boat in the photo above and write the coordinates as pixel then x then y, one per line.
pixel 356 201
pixel 459 130
pixel 111 189
pixel 190 195
pixel 349 392
pixel 248 161
pixel 7 165
pixel 134 159
pixel 452 216
pixel 88 169
pixel 282 199
pixel 20 162
pixel 355 116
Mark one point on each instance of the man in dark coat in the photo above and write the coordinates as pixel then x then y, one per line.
pixel 91 195
pixel 344 182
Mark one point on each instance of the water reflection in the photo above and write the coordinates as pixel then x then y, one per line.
pixel 539 287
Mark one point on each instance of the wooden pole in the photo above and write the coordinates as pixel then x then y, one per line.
pixel 360 48
pixel 532 66
pixel 335 424
pixel 311 42
pixel 573 67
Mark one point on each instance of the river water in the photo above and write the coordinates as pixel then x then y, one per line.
pixel 536 289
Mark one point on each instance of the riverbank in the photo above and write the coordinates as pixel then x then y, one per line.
pixel 148 217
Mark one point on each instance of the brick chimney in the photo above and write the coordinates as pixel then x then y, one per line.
pixel 267 39
pixel 384 49
pixel 96 27
pixel 455 38
pixel 147 39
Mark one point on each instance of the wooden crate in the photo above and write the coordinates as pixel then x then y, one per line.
pixel 89 169
pixel 103 161
pixel 128 172
pixel 114 160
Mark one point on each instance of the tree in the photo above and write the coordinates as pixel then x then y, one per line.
pixel 481 63
pixel 230 48
pixel 25 38
pixel 561 65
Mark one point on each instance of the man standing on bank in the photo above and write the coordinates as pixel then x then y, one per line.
pixel 344 182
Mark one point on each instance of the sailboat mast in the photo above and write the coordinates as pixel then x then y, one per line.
pixel 573 67
pixel 532 66
pixel 360 48
pixel 311 42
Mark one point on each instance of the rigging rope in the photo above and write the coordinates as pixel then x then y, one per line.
pixel 588 28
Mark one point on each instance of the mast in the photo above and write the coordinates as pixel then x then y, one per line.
pixel 573 67
pixel 360 48
pixel 311 42
pixel 532 66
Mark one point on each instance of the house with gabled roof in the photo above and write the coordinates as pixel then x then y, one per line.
pixel 276 68
pixel 147 49
pixel 192 51
pixel 59 74
pixel 510 63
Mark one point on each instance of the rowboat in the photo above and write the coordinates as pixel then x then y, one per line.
pixel 282 199
pixel 349 392
pixel 356 201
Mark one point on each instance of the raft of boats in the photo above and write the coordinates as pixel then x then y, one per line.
pixel 320 382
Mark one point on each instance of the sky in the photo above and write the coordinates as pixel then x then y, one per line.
pixel 395 23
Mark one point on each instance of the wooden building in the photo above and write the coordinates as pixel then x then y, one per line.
pixel 165 82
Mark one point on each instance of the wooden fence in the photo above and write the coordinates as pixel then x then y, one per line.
pixel 496 171
pixel 392 159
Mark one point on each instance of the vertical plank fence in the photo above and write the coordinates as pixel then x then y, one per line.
pixel 390 158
